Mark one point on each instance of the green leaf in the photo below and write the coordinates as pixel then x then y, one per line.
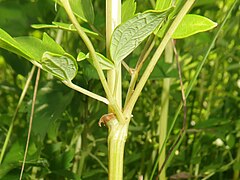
pixel 105 63
pixel 81 56
pixel 71 27
pixel 37 47
pixel 192 24
pixel 30 48
pixel 128 10
pixel 31 45
pixel 64 26
pixel 77 8
pixel 88 10
pixel 130 34
pixel 57 62
pixel 8 43
pixel 177 7
pixel 51 45
pixel 83 9
pixel 63 67
pixel 163 4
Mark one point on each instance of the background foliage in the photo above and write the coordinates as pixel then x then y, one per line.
pixel 66 141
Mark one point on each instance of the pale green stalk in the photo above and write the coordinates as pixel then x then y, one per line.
pixel 114 76
pixel 162 127
pixel 15 113
pixel 155 58
pixel 116 142
pixel 88 43
pixel 86 92
pixel 117 132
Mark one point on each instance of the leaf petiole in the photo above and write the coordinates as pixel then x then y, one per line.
pixel 86 92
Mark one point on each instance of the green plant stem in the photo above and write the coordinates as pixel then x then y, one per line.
pixel 117 132
pixel 15 113
pixel 162 126
pixel 142 58
pixel 112 101
pixel 86 92
pixel 113 19
pixel 155 58
pixel 116 142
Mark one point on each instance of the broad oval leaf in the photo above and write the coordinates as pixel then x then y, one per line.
pixel 192 24
pixel 127 36
pixel 63 67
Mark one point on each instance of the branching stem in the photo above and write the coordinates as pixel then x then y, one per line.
pixel 129 107
pixel 88 43
pixel 135 72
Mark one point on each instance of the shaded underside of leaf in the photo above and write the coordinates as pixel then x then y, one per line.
pixel 62 66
